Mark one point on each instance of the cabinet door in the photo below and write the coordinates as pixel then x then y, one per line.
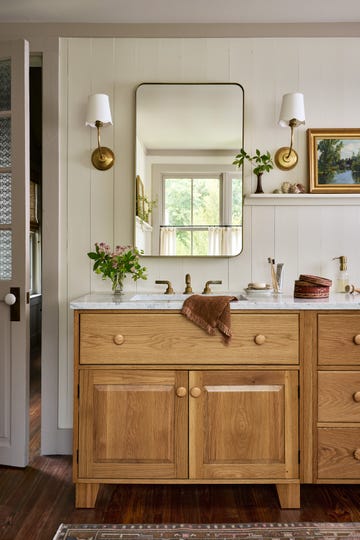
pixel 133 424
pixel 244 424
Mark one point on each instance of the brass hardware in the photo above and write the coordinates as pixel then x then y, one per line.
pixel 286 158
pixel 356 397
pixel 356 339
pixel 181 391
pixel 102 157
pixel 356 454
pixel 119 339
pixel 351 289
pixel 195 391
pixel 207 289
pixel 260 339
pixel 188 288
pixel 169 289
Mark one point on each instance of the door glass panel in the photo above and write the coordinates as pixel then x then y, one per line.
pixel 5 139
pixel 5 198
pixel 5 86
pixel 5 254
pixel 5 175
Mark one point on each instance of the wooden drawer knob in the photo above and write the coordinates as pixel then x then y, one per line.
pixel 181 391
pixel 357 339
pixel 260 339
pixel 356 397
pixel 195 391
pixel 119 339
pixel 356 454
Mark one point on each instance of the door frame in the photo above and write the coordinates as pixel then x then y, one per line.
pixel 54 439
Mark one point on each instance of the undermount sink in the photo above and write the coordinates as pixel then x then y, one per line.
pixel 177 297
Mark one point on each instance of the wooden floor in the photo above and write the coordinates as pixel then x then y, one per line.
pixel 35 500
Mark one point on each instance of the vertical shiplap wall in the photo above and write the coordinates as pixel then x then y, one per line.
pixel 98 205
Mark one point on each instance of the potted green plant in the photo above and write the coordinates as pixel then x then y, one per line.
pixel 264 163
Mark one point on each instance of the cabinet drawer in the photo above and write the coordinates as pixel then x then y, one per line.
pixel 170 338
pixel 339 453
pixel 338 337
pixel 339 396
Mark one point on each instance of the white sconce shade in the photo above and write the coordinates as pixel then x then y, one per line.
pixel 98 109
pixel 292 106
pixel 292 114
pixel 98 115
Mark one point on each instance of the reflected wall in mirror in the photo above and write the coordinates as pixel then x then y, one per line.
pixel 189 196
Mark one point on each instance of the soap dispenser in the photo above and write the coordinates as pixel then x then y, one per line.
pixel 342 278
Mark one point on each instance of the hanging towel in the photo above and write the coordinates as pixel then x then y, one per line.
pixel 210 312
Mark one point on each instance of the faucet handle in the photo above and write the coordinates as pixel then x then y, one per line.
pixel 169 289
pixel 207 289
pixel 188 288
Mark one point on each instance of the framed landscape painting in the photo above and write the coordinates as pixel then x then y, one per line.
pixel 334 160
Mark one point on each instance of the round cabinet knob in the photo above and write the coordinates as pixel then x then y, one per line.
pixel 10 299
pixel 357 339
pixel 195 391
pixel 119 339
pixel 356 397
pixel 356 454
pixel 260 339
pixel 181 391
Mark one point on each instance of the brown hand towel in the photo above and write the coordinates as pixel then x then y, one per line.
pixel 210 312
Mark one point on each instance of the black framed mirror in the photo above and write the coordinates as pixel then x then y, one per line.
pixel 189 196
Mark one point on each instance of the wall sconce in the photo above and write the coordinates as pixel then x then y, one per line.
pixel 99 115
pixel 292 114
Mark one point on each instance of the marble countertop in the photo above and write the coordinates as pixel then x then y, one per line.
pixel 154 301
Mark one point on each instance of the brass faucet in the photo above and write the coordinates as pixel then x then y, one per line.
pixel 207 289
pixel 188 288
pixel 169 289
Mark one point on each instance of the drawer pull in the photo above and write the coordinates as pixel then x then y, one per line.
pixel 260 339
pixel 181 391
pixel 356 339
pixel 119 339
pixel 356 397
pixel 356 454
pixel 195 391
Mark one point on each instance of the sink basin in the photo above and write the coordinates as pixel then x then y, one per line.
pixel 178 297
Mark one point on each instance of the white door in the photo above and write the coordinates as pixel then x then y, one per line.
pixel 14 240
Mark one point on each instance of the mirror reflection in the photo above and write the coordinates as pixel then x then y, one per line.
pixel 188 194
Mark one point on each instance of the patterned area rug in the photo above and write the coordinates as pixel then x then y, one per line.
pixel 241 531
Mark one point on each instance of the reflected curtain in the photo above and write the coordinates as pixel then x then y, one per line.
pixel 224 240
pixel 168 241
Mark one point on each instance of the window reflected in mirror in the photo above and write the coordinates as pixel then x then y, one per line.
pixel 189 196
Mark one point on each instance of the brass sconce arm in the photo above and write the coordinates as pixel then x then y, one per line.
pixel 102 157
pixel 286 158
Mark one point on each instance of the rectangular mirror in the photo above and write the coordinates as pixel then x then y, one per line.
pixel 189 196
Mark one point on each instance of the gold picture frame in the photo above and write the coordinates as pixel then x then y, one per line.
pixel 139 197
pixel 334 160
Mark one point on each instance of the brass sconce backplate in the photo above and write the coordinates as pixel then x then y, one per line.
pixel 103 160
pixel 286 159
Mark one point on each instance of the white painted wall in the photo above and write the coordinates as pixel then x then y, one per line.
pixel 98 206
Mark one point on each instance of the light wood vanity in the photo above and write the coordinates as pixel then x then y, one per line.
pixel 157 400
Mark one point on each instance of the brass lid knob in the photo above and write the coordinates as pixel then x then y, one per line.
pixel 119 339
pixel 260 339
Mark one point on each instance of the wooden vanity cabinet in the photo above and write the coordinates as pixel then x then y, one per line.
pixel 185 416
pixel 338 404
